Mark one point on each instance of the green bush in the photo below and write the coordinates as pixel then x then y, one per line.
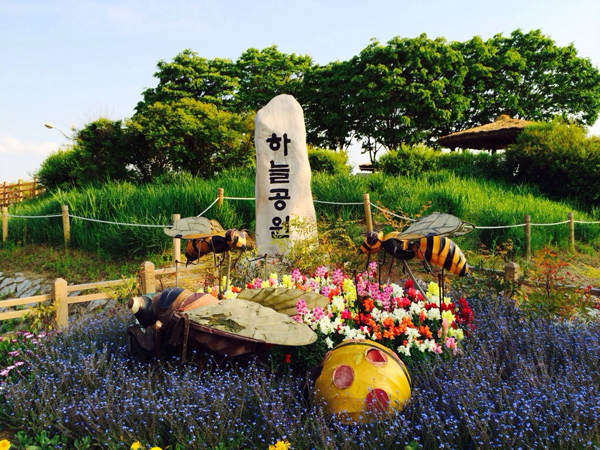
pixel 328 161
pixel 59 170
pixel 560 158
pixel 408 160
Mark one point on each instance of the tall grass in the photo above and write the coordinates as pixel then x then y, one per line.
pixel 485 204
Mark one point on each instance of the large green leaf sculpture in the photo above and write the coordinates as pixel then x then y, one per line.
pixel 252 320
pixel 283 300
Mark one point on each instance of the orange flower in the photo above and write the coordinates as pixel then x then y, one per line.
pixel 388 322
pixel 377 336
pixel 368 305
pixel 388 334
pixel 425 332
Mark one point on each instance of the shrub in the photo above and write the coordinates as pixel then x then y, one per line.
pixel 408 160
pixel 59 170
pixel 560 158
pixel 328 161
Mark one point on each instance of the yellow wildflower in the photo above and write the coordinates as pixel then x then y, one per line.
pixel 4 444
pixel 135 446
pixel 156 448
pixel 280 445
pixel 448 316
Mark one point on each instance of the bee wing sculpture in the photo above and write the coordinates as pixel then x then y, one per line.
pixel 435 224
pixel 193 228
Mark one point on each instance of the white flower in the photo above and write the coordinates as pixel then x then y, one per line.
pixel 412 333
pixel 434 314
pixel 397 290
pixel 399 314
pixel 329 342
pixel 415 308
pixel 338 304
pixel 404 349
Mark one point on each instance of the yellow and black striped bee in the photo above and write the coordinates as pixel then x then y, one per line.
pixel 207 236
pixel 427 240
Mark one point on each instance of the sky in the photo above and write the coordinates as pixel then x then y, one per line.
pixel 68 63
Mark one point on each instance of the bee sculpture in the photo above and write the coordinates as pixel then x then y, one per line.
pixel 427 240
pixel 219 243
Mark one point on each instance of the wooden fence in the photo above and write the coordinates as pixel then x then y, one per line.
pixel 17 192
pixel 148 279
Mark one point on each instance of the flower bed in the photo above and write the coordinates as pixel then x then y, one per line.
pixel 398 317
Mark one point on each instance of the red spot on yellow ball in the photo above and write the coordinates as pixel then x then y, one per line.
pixel 377 400
pixel 343 376
pixel 376 357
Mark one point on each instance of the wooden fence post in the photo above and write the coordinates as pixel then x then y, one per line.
pixel 511 272
pixel 147 278
pixel 66 225
pixel 369 219
pixel 220 192
pixel 19 193
pixel 176 244
pixel 59 297
pixel 5 194
pixel 527 220
pixel 4 223
pixel 570 218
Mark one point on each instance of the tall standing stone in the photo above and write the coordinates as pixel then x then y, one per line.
pixel 282 177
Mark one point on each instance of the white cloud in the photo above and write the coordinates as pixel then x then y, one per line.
pixel 20 159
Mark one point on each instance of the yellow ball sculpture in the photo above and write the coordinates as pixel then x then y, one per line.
pixel 361 377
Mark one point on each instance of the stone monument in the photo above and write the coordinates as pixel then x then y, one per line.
pixel 283 194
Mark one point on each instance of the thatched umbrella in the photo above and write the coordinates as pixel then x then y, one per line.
pixel 492 136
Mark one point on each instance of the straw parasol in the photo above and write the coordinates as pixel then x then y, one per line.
pixel 492 136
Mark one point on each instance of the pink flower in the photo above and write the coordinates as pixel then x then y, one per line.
pixel 346 314
pixel 337 277
pixel 318 313
pixel 301 307
pixel 451 344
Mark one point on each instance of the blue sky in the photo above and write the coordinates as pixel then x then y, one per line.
pixel 70 62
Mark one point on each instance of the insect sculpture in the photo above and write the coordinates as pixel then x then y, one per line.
pixel 232 327
pixel 206 236
pixel 428 240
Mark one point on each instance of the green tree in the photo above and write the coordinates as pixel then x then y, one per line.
pixel 327 104
pixel 105 149
pixel 526 75
pixel 264 74
pixel 405 92
pixel 191 76
pixel 193 136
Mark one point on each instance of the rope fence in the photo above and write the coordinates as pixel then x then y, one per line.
pixel 366 203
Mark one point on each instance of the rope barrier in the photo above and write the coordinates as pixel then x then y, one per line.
pixel 337 203
pixel 119 223
pixel 34 217
pixel 387 211
pixel 209 206
pixel 240 198
pixel 500 226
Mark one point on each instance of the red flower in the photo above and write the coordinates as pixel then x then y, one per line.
pixel 287 358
